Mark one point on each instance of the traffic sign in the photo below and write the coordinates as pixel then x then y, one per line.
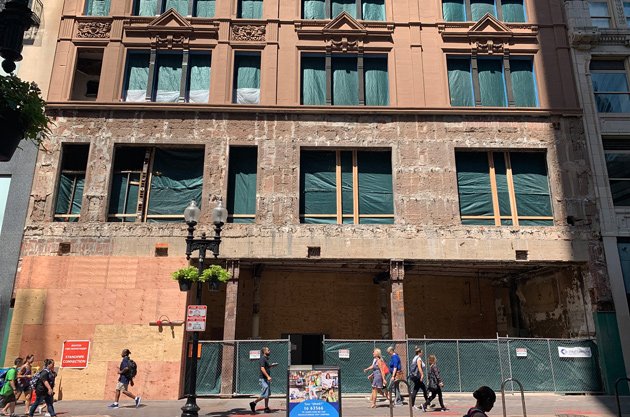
pixel 196 318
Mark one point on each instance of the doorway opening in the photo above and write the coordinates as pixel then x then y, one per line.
pixel 306 349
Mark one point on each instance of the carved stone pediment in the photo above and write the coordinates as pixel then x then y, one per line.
pixel 344 24
pixel 170 20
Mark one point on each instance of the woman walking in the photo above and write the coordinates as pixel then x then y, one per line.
pixel 376 376
pixel 24 381
pixel 485 397
pixel 44 388
pixel 435 383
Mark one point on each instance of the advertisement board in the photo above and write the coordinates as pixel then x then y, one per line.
pixel 314 392
pixel 75 353
pixel 574 352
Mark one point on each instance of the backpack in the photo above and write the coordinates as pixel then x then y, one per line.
pixel 413 368
pixel 3 376
pixel 35 380
pixel 132 369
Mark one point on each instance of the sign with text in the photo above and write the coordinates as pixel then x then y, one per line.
pixel 521 352
pixel 196 318
pixel 574 352
pixel 344 353
pixel 314 393
pixel 254 354
pixel 75 353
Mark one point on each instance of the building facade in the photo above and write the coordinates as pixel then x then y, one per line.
pixel 600 32
pixel 391 169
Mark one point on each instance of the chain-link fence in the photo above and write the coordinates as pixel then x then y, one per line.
pixel 464 365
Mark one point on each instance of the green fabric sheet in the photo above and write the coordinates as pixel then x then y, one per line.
pixel 250 9
pixel 124 195
pixel 180 6
pixel 241 197
pixel 313 80
pixel 148 8
pixel 531 184
pixel 376 194
pixel 205 8
pixel 345 83
pixel 199 79
pixel 373 10
pixel 376 81
pixel 97 7
pixel 479 8
pixel 247 79
pixel 500 172
pixel 348 6
pixel 523 84
pixel 67 201
pixel 169 77
pixel 137 76
pixel 460 82
pixel 513 10
pixel 347 186
pixel 318 185
pixel 454 10
pixel 473 184
pixel 313 9
pixel 624 257
pixel 177 179
pixel 492 83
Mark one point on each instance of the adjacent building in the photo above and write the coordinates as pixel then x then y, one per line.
pixel 391 168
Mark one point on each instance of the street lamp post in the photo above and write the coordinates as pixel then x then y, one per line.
pixel 191 215
pixel 15 19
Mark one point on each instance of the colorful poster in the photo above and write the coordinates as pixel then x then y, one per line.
pixel 314 393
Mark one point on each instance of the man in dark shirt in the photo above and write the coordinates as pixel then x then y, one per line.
pixel 124 380
pixel 265 380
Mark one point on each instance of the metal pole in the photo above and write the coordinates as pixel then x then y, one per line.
pixel 236 373
pixel 553 375
pixel 500 360
pixel 510 364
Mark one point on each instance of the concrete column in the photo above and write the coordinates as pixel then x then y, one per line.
pixel 229 329
pixel 397 275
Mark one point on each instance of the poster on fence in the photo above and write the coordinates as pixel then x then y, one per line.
pixel 574 352
pixel 314 392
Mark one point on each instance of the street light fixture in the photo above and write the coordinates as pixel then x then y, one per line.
pixel 191 216
pixel 15 19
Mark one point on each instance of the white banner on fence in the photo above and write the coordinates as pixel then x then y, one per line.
pixel 344 353
pixel 574 352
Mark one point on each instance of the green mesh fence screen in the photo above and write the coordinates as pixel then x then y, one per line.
pixel 248 370
pixel 209 368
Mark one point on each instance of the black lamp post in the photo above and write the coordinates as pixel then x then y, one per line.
pixel 191 215
pixel 15 19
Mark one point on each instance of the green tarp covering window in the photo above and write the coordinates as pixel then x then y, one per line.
pixel 241 199
pixel 376 82
pixel 491 83
pixel 97 7
pixel 180 6
pixel 618 165
pixel 313 80
pixel 318 186
pixel 176 179
pixel 376 195
pixel 348 6
pixel 169 77
pixel 123 199
pixel 460 82
pixel 313 9
pixel 523 85
pixel 513 10
pixel 624 257
pixel 137 76
pixel 500 170
pixel 199 79
pixel 250 9
pixel 531 184
pixel 454 10
pixel 71 182
pixel 148 7
pixel 473 183
pixel 345 82
pixel 205 8
pixel 373 10
pixel 247 79
pixel 479 8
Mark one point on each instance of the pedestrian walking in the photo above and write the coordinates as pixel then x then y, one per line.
pixel 416 378
pixel 264 379
pixel 435 384
pixel 24 376
pixel 379 372
pixel 43 384
pixel 395 368
pixel 126 372
pixel 8 390
pixel 485 397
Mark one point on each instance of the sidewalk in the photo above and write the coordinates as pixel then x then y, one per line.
pixel 538 405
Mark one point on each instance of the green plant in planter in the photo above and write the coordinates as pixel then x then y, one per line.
pixel 22 114
pixel 215 273
pixel 189 273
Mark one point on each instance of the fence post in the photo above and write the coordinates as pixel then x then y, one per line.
pixel 459 368
pixel 500 360
pixel 426 374
pixel 553 374
pixel 236 371
pixel 510 363
pixel 289 352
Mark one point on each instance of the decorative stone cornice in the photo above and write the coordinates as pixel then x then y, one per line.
pixel 248 32
pixel 615 39
pixel 584 38
pixel 93 30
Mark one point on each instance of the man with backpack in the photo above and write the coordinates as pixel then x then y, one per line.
pixel 9 387
pixel 128 370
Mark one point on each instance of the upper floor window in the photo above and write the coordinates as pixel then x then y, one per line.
pixel 74 159
pixel 168 79
pixel 97 7
pixel 352 80
pixel 250 9
pixel 154 184
pixel 618 164
pixel 241 198
pixel 473 10
pixel 503 188
pixel 199 8
pixel 346 187
pixel 610 85
pixel 493 82
pixel 246 78
pixel 600 13
pixel 626 12
pixel 358 9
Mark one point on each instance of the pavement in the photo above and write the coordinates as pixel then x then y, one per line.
pixel 537 405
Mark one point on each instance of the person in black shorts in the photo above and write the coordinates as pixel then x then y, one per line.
pixel 265 380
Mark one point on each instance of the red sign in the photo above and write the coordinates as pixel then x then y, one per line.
pixel 75 354
pixel 196 318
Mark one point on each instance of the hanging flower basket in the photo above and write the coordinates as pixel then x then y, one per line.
pixel 185 277
pixel 215 275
